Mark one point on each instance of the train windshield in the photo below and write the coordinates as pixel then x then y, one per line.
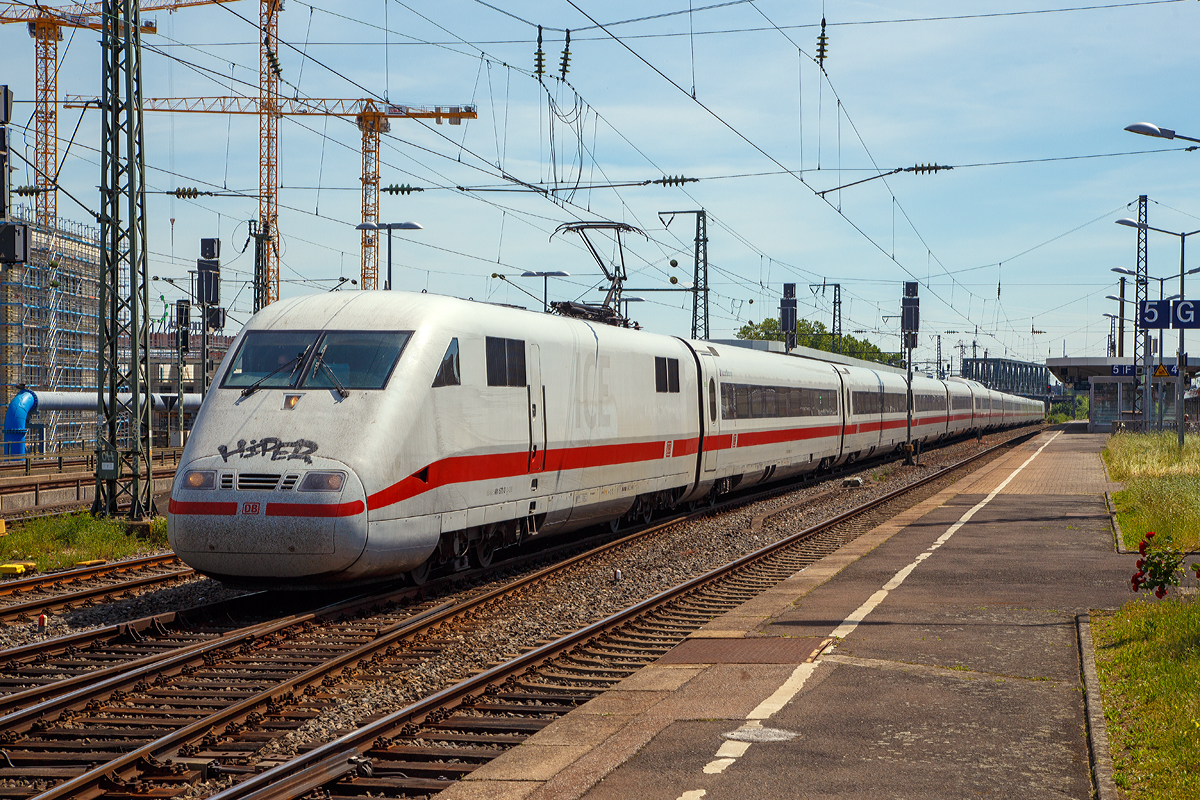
pixel 275 358
pixel 316 360
pixel 355 359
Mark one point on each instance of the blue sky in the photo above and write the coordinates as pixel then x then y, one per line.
pixel 1008 247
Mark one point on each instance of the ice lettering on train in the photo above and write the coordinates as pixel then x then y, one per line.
pixel 595 402
pixel 277 449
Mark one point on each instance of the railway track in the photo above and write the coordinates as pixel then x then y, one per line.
pixel 22 600
pixel 198 711
pixel 73 460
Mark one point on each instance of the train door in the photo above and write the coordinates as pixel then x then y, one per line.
pixel 844 417
pixel 537 411
pixel 710 416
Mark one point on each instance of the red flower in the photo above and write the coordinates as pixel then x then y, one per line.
pixel 1150 535
pixel 1160 592
pixel 1142 547
pixel 1141 563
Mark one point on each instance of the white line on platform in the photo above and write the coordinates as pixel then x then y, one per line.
pixel 851 622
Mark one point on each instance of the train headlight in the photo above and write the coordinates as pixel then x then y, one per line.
pixel 199 479
pixel 322 482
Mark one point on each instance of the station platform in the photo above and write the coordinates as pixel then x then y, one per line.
pixel 943 660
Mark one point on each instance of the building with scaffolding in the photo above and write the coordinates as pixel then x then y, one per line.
pixel 48 337
pixel 48 325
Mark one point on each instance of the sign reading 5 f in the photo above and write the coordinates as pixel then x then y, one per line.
pixel 1154 314
pixel 1184 314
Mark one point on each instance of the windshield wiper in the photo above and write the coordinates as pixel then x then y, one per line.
pixel 252 388
pixel 320 362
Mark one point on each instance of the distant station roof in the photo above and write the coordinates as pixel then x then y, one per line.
pixel 1071 370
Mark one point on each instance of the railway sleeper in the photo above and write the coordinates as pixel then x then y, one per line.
pixel 411 752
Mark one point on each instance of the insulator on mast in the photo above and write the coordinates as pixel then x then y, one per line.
pixel 539 57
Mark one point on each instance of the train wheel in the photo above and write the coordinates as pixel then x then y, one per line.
pixel 420 575
pixel 644 510
pixel 483 549
pixel 617 523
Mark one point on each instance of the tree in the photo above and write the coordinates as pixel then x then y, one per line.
pixel 816 336
pixel 767 330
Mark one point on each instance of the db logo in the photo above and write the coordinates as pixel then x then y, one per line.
pixel 251 508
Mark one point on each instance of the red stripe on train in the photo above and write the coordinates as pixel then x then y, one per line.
pixel 315 509
pixel 202 509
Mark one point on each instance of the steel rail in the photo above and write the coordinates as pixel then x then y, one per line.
pixel 330 761
pixel 60 601
pixel 13 702
pixel 84 573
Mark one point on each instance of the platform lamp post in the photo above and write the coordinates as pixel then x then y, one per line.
pixel 1179 365
pixel 546 276
pixel 389 227
pixel 626 299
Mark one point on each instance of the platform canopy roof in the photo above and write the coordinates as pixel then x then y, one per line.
pixel 1070 370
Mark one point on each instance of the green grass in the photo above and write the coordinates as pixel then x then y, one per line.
pixel 1148 657
pixel 59 542
pixel 1162 491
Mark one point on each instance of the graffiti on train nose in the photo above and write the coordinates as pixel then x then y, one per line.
pixel 276 449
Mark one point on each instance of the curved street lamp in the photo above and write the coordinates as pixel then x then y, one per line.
pixel 389 227
pixel 1150 129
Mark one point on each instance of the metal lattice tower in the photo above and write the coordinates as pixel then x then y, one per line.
pixel 123 457
pixel 941 368
pixel 1141 289
pixel 372 123
pixel 700 279
pixel 268 146
pixel 837 318
pixel 46 32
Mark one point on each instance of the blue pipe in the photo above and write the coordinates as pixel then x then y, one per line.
pixel 19 409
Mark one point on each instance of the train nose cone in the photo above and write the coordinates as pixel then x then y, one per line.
pixel 255 526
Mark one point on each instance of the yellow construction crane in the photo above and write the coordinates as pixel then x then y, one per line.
pixel 372 118
pixel 45 27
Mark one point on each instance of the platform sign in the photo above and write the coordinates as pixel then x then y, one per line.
pixel 1184 314
pixel 1124 370
pixel 1163 371
pixel 1154 314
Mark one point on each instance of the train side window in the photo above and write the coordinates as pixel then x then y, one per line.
pixel 666 374
pixel 505 361
pixel 712 399
pixel 516 361
pixel 448 373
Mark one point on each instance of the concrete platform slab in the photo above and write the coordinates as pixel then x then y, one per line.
pixel 757 650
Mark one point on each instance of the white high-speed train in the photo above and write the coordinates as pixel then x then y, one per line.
pixel 351 437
